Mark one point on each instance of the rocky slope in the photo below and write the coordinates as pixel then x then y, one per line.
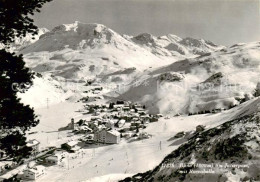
pixel 228 152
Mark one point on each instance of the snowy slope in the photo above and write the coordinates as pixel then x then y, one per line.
pixel 79 52
pixel 96 41
pixel 216 80
pixel 128 158
pixel 228 151
pixel 93 41
pixel 172 45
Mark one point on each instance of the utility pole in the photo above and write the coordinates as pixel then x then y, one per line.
pixel 165 127
pixel 68 163
pixel 47 102
pixel 160 145
pixel 93 154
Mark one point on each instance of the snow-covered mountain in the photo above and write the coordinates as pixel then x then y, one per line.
pixel 172 45
pixel 167 73
pixel 217 80
pixel 79 52
pixel 88 42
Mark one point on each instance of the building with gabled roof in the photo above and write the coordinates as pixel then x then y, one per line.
pixel 35 144
pixel 71 146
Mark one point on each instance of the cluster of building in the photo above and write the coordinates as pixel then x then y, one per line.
pixel 107 125
pixel 110 122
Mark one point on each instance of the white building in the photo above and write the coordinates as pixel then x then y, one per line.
pixel 56 158
pixel 107 136
pixel 4 165
pixel 71 146
pixel 118 106
pixel 34 172
pixel 34 144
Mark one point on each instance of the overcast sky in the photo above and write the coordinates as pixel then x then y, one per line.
pixel 222 21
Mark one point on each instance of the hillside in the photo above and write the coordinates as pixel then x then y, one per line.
pixel 207 93
pixel 228 152
pixel 73 54
pixel 217 80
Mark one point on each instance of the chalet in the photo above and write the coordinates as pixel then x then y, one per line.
pixel 93 125
pixel 104 106
pixel 98 88
pixel 132 110
pixel 104 110
pixel 110 123
pixel 96 118
pixel 138 106
pixel 126 108
pixel 136 123
pixel 136 114
pixel 84 129
pixel 88 139
pixel 143 135
pixel 127 103
pixel 56 158
pixel 35 145
pixel 70 146
pixel 95 92
pixel 121 123
pixel 5 165
pixel 34 172
pixel 97 113
pixel 107 136
pixel 120 102
pixel 145 116
pixel 141 111
pixel 118 106
pixel 101 127
pixel 135 119
pixel 159 115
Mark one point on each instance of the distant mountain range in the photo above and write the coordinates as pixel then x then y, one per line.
pixel 167 73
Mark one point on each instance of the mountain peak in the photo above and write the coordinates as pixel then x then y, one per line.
pixel 77 36
pixel 79 27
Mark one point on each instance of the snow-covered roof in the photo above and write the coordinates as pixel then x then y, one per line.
pixel 114 132
pixel 118 105
pixel 85 128
pixel 75 148
pixel 36 169
pixel 33 142
pixel 72 143
pixel 3 163
pixel 122 121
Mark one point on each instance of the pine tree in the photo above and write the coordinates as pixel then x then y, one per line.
pixel 15 117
